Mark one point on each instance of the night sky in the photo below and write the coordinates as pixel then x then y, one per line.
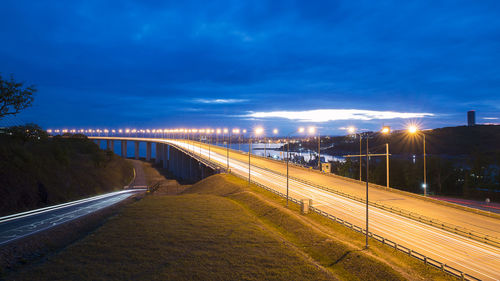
pixel 167 64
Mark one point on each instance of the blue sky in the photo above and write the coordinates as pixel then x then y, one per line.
pixel 162 64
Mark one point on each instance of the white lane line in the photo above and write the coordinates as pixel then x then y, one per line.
pixel 56 207
pixel 85 211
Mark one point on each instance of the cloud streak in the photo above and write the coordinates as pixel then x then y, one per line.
pixel 325 115
pixel 220 101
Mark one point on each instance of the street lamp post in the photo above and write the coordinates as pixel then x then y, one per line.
pixel 227 147
pixel 265 144
pixel 412 129
pixel 319 151
pixel 385 130
pixel 257 132
pixel 312 130
pixel 300 130
pixel 425 170
pixel 367 169
pixel 352 130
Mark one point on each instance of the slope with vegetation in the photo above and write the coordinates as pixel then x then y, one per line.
pixel 222 229
pixel 37 171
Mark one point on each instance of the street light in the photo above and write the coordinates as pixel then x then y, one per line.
pixel 275 132
pixel 385 130
pixel 218 131
pixel 312 130
pixel 352 131
pixel 258 131
pixel 413 129
pixel 234 131
pixel 300 130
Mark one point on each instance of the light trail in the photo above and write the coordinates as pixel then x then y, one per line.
pixel 475 258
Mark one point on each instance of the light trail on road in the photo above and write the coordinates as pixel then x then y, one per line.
pixel 17 226
pixel 475 258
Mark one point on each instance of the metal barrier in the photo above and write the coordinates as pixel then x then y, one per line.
pixel 412 253
pixel 433 222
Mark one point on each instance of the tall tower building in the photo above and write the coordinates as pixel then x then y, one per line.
pixel 471 118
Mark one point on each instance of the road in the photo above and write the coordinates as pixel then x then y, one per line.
pixel 475 258
pixel 20 225
pixel 481 205
pixel 23 224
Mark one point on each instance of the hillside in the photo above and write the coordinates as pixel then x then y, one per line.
pixel 37 171
pixel 452 141
pixel 222 229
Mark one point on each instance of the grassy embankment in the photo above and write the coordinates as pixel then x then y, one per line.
pixel 220 229
pixel 36 173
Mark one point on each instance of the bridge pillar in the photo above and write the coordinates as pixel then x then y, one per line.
pixel 148 151
pixel 136 154
pixel 191 168
pixel 165 156
pixel 112 145
pixel 124 148
pixel 176 166
pixel 107 145
pixel 171 155
pixel 158 150
pixel 98 142
pixel 185 166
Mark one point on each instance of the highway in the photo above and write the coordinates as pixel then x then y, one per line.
pixel 20 225
pixel 477 259
pixel 469 256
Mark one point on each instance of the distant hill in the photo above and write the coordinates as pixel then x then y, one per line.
pixel 452 141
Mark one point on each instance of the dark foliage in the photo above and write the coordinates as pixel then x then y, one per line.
pixel 14 96
pixel 461 161
pixel 36 170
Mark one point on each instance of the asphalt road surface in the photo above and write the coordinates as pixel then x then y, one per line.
pixel 477 259
pixel 472 257
pixel 20 225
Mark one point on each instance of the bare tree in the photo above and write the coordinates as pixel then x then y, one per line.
pixel 14 96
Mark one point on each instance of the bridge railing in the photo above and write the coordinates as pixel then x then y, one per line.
pixel 412 253
pixel 218 168
pixel 418 217
pixel 373 185
pixel 494 241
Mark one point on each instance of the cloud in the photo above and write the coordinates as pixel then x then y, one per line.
pixel 325 115
pixel 490 118
pixel 220 101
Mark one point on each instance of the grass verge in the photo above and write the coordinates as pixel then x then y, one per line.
pixel 221 229
pixel 333 246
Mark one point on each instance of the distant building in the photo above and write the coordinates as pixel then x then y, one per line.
pixel 471 118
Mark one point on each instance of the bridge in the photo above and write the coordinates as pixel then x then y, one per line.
pixel 461 241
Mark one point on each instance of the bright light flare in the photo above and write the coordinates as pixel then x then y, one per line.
pixel 259 130
pixel 275 131
pixel 301 129
pixel 312 130
pixel 386 130
pixel 412 129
